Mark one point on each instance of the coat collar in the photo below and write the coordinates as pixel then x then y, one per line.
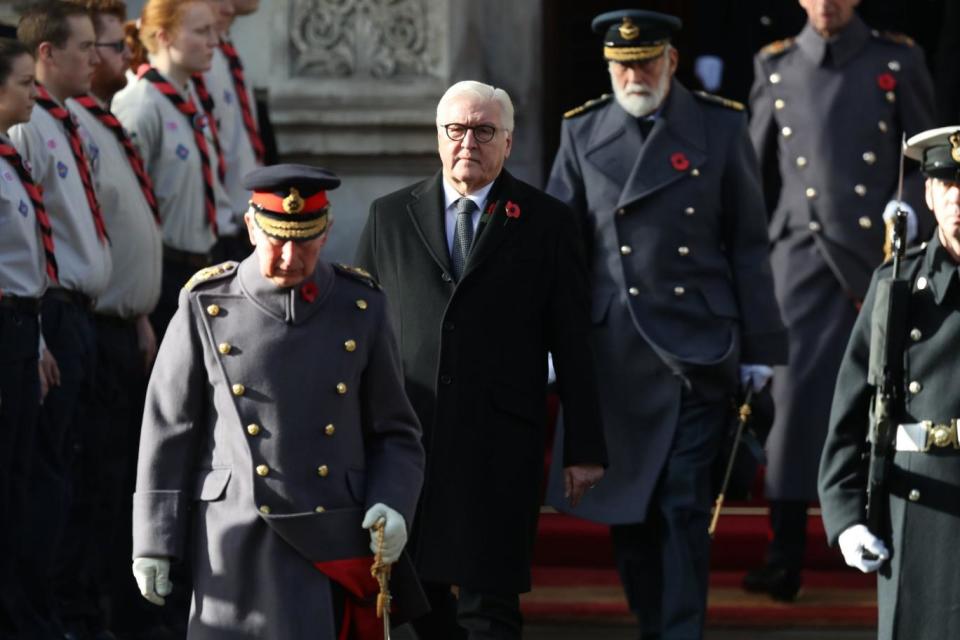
pixel 843 47
pixel 940 269
pixel 679 129
pixel 293 305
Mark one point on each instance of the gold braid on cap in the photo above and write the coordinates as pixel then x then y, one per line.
pixel 633 54
pixel 291 229
pixel 955 144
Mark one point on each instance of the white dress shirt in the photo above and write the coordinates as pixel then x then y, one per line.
pixel 451 196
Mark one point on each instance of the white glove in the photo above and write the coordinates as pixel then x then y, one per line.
pixel 709 70
pixel 153 578
pixel 394 531
pixel 857 540
pixel 755 375
pixel 890 212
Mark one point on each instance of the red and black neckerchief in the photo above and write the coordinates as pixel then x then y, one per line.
pixel 240 88
pixel 110 121
pixel 10 154
pixel 189 111
pixel 60 113
pixel 206 101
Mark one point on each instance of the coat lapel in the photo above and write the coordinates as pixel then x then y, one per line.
pixel 426 213
pixel 493 227
pixel 614 143
pixel 676 146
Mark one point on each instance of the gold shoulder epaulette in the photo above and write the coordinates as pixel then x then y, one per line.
pixel 720 100
pixel 588 105
pixel 777 47
pixel 361 275
pixel 895 37
pixel 215 272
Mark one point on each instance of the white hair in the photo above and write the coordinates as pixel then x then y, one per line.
pixel 475 89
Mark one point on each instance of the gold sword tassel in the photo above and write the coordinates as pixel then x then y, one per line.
pixel 381 571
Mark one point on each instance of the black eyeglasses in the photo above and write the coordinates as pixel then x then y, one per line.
pixel 117 45
pixel 482 133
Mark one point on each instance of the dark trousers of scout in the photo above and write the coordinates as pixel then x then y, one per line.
pixel 178 267
pixel 19 410
pixel 664 561
pixel 471 616
pixel 69 333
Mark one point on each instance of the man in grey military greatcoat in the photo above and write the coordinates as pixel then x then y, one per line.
pixel 666 185
pixel 828 111
pixel 276 430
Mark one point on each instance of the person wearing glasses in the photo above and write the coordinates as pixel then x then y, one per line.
pixel 484 276
pixel 666 184
pixel 174 130
pixel 99 545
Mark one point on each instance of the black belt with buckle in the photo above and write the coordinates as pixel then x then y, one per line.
pixel 196 260
pixel 20 304
pixel 82 300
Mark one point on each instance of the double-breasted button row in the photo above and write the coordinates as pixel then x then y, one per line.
pixel 865 222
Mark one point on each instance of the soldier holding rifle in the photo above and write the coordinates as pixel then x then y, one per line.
pixel 898 373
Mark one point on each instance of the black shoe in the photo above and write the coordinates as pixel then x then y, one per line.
pixel 780 583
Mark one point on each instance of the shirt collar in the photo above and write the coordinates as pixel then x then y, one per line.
pixel 843 46
pixel 479 196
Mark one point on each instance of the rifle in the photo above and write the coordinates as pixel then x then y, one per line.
pixel 885 373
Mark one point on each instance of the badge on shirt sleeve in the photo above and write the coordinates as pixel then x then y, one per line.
pixel 182 152
pixel 172 126
pixel 228 96
pixel 51 144
pixel 8 176
pixel 23 209
pixel 61 169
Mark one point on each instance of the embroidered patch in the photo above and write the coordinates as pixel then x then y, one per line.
pixel 172 126
pixel 227 96
pixel 8 176
pixel 51 144
pixel 61 170
pixel 182 152
pixel 200 120
pixel 28 165
pixel 93 151
pixel 23 208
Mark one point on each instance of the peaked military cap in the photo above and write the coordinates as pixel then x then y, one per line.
pixel 632 35
pixel 289 201
pixel 938 151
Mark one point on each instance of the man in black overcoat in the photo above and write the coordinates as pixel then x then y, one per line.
pixel 484 275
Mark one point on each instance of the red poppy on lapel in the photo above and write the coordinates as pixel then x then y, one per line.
pixel 512 210
pixel 886 81
pixel 491 209
pixel 679 161
pixel 308 291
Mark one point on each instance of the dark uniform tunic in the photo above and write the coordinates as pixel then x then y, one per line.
pixel 274 419
pixel 827 119
pixel 917 595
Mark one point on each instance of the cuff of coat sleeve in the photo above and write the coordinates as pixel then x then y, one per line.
pixel 159 523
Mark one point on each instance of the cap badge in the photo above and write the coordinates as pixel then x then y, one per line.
pixel 293 203
pixel 955 144
pixel 628 30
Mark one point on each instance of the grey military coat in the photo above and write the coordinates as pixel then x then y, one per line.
pixel 682 293
pixel 274 418
pixel 917 590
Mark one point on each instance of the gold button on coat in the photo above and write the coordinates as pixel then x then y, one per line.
pixel 319 509
pixel 913 496
pixel 238 389
pixel 626 250
pixel 679 291
pixel 882 125
pixel 891 96
pixel 814 226
pixel 264 509
pixel 860 189
pixel 361 304
pixel 774 78
pixel 921 283
pixel 329 430
pixel 323 471
pixel 787 132
pixel 915 334
pixel 633 291
pixel 865 222
pixel 253 429
pixel 341 388
pixel 801 161
pixel 213 309
pixel 811 192
pixel 350 345
pixel 263 470
pixel 869 157
pixel 684 251
pixel 689 211
pixel 779 104
pixel 695 173
pixel 224 348
pixel 621 211
pixel 915 387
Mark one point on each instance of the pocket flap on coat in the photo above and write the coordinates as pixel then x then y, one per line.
pixel 212 484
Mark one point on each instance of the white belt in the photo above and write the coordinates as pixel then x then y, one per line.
pixel 922 436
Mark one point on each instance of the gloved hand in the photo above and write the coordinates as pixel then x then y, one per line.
pixel 153 578
pixel 755 375
pixel 709 69
pixel 394 531
pixel 890 211
pixel 856 540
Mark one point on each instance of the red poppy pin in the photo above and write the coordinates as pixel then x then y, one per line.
pixel 491 209
pixel 886 81
pixel 512 209
pixel 679 161
pixel 309 291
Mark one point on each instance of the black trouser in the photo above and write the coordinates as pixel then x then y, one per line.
pixel 178 267
pixel 19 411
pixel 664 562
pixel 471 616
pixel 71 337
pixel 235 247
pixel 788 521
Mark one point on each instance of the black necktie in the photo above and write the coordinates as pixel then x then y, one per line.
pixel 462 235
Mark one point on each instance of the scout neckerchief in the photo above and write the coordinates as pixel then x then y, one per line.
pixel 61 114
pixel 9 153
pixel 189 111
pixel 110 121
pixel 240 88
pixel 206 101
